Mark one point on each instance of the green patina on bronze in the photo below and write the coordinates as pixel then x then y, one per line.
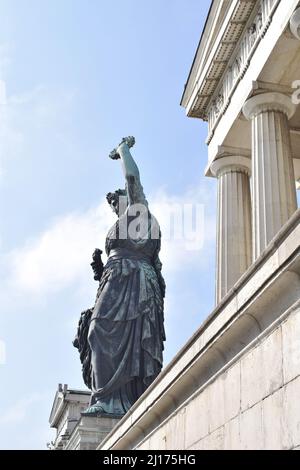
pixel 121 338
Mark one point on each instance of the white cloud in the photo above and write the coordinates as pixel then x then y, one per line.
pixel 60 256
pixel 179 253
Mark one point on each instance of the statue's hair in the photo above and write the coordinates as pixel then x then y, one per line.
pixel 112 196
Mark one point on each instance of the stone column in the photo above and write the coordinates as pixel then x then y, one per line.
pixel 273 180
pixel 233 221
pixel 295 23
pixel 295 29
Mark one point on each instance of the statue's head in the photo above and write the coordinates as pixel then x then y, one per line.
pixel 118 201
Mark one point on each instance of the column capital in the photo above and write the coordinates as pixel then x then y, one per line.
pixel 295 23
pixel 269 102
pixel 233 163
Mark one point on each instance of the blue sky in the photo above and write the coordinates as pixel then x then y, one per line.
pixel 76 76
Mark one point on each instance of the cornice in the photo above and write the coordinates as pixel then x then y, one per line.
pixel 204 78
pixel 245 25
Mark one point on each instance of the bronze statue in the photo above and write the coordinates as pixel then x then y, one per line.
pixel 121 339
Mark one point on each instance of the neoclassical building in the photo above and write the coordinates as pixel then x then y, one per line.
pixel 244 82
pixel 236 382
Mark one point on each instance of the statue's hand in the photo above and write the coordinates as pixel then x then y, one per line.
pixel 129 141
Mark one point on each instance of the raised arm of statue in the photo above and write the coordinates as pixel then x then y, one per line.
pixel 134 188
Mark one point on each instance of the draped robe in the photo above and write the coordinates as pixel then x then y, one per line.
pixel 126 331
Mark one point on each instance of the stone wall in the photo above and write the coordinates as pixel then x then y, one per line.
pixel 254 404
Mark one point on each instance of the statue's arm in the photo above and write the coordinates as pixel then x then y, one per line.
pixel 129 166
pixel 131 171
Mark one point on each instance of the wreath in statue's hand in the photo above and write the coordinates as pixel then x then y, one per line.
pixel 130 141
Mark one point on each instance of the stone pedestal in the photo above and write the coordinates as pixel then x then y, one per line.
pixel 90 432
pixel 273 179
pixel 233 221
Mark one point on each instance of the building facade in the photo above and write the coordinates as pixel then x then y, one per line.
pixel 235 384
pixel 66 413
